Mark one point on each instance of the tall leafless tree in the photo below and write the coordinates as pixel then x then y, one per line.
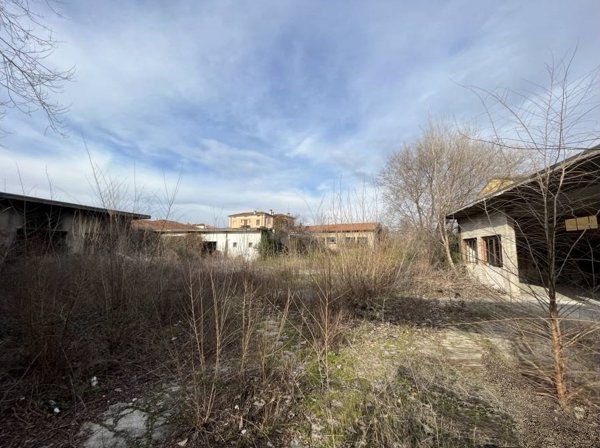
pixel 26 75
pixel 552 123
pixel 444 169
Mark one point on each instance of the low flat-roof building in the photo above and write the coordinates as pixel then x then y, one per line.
pixel 228 242
pixel 243 243
pixel 338 235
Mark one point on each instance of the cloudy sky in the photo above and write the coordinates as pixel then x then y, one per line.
pixel 270 104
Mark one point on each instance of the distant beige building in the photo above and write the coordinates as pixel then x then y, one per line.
pixel 251 220
pixel 259 220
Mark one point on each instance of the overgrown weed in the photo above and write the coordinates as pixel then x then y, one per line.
pixel 261 352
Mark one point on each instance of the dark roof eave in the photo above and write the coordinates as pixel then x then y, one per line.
pixel 481 203
pixel 69 205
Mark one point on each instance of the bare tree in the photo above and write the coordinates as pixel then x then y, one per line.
pixel 26 43
pixel 554 213
pixel 444 169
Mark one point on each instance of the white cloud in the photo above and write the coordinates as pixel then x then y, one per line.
pixel 264 104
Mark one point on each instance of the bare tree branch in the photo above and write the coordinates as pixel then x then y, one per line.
pixel 28 80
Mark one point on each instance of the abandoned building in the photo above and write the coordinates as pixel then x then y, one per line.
pixel 241 242
pixel 248 231
pixel 508 236
pixel 335 236
pixel 40 225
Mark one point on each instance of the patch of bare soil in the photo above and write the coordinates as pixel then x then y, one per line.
pixel 540 422
pixel 458 375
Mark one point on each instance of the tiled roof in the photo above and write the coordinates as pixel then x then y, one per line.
pixel 354 227
pixel 159 225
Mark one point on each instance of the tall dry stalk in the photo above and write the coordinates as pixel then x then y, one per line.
pixel 209 308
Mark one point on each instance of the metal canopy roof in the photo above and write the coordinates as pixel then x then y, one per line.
pixel 588 159
pixel 68 205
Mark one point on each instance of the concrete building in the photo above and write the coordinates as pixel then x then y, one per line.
pixel 260 220
pixel 503 234
pixel 488 248
pixel 36 224
pixel 336 236
pixel 243 243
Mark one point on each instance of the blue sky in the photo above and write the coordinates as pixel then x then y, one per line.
pixel 271 104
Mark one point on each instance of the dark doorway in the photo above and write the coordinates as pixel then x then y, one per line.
pixel 209 247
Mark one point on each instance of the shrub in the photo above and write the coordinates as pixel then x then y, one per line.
pixel 361 274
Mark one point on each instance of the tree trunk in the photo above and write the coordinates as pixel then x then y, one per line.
pixel 558 356
pixel 446 243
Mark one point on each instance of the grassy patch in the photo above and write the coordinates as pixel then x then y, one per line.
pixel 346 382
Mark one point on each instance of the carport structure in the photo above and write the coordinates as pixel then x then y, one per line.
pixel 30 224
pixel 539 229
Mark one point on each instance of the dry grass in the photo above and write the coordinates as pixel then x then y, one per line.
pixel 225 330
pixel 260 353
pixel 73 318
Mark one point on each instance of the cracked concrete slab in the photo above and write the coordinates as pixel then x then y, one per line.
pixel 140 423
pixel 135 423
pixel 101 437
